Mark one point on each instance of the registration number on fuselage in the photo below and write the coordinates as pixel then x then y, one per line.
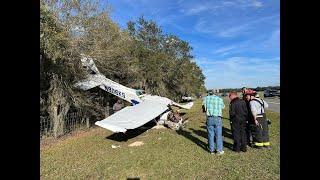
pixel 114 91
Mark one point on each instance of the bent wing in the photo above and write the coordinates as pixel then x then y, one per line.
pixel 132 117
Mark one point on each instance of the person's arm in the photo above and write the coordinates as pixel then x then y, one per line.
pixel 244 107
pixel 245 110
pixel 254 111
pixel 203 105
pixel 232 111
pixel 204 102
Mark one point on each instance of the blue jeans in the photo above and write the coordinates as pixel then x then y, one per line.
pixel 214 128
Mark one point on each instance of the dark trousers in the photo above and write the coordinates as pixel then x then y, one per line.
pixel 260 133
pixel 238 128
pixel 248 133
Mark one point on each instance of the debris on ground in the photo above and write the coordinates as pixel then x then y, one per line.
pixel 158 126
pixel 114 146
pixel 174 120
pixel 137 143
pixel 170 119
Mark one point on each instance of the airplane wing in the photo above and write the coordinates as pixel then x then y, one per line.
pixel 132 117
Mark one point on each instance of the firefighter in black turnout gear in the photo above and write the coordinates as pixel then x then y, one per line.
pixel 246 96
pixel 260 132
pixel 250 120
pixel 238 117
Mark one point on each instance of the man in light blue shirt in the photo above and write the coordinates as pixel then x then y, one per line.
pixel 213 106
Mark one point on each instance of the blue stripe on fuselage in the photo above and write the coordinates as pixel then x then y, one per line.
pixel 134 102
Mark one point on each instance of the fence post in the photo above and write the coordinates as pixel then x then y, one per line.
pixel 106 114
pixel 88 124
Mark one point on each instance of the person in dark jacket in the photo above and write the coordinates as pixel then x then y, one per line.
pixel 117 106
pixel 238 118
pixel 250 119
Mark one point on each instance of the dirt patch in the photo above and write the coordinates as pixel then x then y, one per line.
pixel 137 143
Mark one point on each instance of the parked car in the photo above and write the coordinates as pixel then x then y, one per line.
pixel 224 94
pixel 271 93
pixel 277 93
pixel 187 98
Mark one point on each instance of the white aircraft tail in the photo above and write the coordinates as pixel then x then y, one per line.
pixel 89 65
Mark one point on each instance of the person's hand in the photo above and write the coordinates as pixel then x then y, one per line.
pixel 256 122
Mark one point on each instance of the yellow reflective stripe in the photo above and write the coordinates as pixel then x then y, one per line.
pixel 266 143
pixel 258 144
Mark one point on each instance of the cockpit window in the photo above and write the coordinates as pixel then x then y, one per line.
pixel 140 92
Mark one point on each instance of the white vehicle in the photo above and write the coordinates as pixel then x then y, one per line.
pixel 145 107
pixel 187 98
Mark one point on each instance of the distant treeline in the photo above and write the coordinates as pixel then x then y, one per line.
pixel 256 89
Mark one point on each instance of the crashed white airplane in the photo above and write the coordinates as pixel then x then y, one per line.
pixel 145 107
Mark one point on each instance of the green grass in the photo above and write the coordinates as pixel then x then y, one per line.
pixel 166 154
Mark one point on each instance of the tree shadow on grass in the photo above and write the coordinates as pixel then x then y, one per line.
pixel 227 145
pixel 225 133
pixel 228 134
pixel 200 133
pixel 225 118
pixel 194 139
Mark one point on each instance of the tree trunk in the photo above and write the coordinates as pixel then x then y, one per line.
pixel 58 106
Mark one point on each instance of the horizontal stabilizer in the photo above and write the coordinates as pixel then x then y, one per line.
pixel 185 106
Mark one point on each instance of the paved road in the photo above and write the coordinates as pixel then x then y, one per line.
pixel 274 104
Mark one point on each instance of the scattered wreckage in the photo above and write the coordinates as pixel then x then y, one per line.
pixel 145 107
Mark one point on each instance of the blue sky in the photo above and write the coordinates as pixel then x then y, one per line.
pixel 236 43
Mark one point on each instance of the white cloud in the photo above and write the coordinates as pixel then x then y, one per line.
pixel 224 50
pixel 196 7
pixel 240 71
pixel 265 43
pixel 180 1
pixel 273 41
pixel 240 29
pixel 257 4
pixel 228 29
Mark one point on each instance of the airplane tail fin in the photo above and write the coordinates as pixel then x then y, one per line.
pixel 89 65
